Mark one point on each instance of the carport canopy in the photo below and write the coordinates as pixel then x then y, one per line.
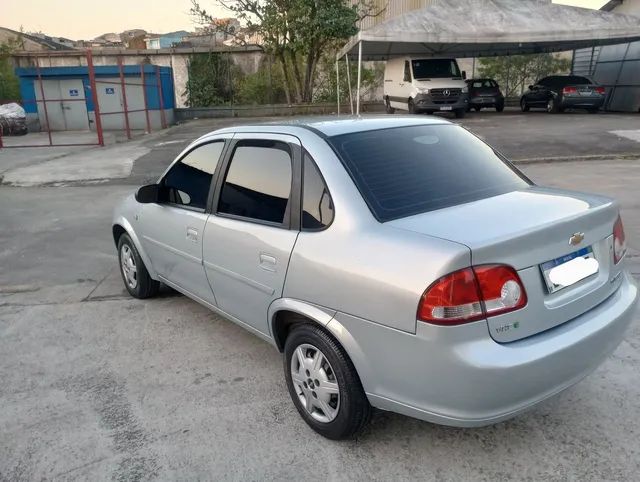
pixel 485 28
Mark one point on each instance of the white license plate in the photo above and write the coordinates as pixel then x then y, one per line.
pixel 446 107
pixel 567 270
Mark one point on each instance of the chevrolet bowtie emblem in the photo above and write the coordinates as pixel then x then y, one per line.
pixel 576 239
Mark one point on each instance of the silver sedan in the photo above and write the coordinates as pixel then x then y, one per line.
pixel 396 262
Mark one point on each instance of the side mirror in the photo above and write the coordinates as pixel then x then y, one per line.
pixel 464 74
pixel 532 87
pixel 148 194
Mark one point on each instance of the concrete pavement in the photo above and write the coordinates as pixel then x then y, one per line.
pixel 531 136
pixel 97 385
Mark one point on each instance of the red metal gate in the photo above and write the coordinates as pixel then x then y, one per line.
pixel 43 111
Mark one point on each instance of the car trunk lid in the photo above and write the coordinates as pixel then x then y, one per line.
pixel 525 229
pixel 485 91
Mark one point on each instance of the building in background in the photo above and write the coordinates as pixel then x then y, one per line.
pixel 165 40
pixel 35 42
pixel 69 100
pixel 617 67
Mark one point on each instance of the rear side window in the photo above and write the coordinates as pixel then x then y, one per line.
pixel 407 72
pixel 410 170
pixel 189 180
pixel 258 182
pixel 317 206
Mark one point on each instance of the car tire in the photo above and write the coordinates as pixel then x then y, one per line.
pixel 593 111
pixel 388 108
pixel 134 273
pixel 477 108
pixel 524 106
pixel 552 106
pixel 499 107
pixel 321 376
pixel 411 107
pixel 460 113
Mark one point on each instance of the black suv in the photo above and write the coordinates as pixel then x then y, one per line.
pixel 559 92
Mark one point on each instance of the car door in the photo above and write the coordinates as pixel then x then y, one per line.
pixel 172 229
pixel 405 85
pixel 540 94
pixel 253 227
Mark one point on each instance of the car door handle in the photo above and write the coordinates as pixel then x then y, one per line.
pixel 268 262
pixel 192 234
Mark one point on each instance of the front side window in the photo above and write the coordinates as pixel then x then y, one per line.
pixel 258 182
pixel 189 180
pixel 317 206
pixel 435 69
pixel 411 170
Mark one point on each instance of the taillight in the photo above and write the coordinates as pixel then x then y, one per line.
pixel 471 294
pixel 570 90
pixel 601 90
pixel 619 241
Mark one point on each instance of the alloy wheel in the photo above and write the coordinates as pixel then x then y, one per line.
pixel 315 383
pixel 128 266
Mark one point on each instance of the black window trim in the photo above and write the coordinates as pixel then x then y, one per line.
pixel 292 216
pixel 225 141
pixel 312 230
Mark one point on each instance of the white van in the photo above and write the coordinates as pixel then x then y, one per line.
pixel 425 85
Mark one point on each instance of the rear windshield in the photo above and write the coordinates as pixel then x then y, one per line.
pixel 562 81
pixel 410 170
pixel 435 69
pixel 483 83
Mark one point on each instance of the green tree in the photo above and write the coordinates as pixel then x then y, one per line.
pixel 266 86
pixel 514 73
pixel 325 89
pixel 211 81
pixel 296 32
pixel 9 85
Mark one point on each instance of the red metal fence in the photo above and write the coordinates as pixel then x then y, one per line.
pixel 94 82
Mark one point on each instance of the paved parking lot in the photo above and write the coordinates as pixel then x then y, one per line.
pixel 96 385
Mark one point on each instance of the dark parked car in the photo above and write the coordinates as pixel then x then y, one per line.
pixel 485 93
pixel 559 92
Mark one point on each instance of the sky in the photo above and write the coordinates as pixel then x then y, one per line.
pixel 86 19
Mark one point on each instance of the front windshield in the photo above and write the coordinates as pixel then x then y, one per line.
pixel 435 69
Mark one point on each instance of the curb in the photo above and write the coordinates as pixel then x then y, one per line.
pixel 598 157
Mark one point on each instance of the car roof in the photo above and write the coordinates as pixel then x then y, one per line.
pixel 329 126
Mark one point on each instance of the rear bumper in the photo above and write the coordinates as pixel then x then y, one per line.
pixel 582 102
pixel 459 376
pixel 427 102
pixel 486 101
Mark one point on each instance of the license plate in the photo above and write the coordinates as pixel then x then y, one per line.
pixel 488 100
pixel 446 107
pixel 567 270
pixel 584 92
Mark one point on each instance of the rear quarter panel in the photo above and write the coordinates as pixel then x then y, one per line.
pixel 375 273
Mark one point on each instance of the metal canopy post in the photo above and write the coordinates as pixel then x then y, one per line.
pixel 359 77
pixel 346 59
pixel 337 85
